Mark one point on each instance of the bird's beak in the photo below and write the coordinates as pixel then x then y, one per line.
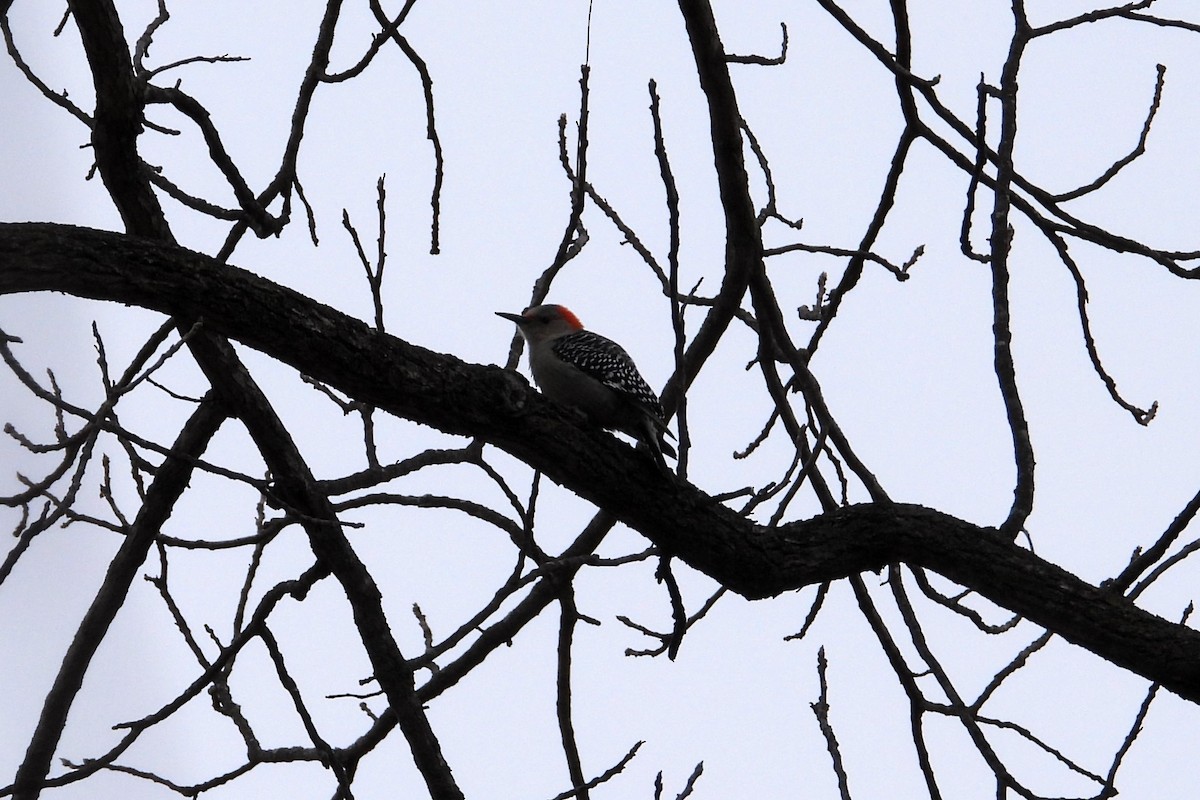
pixel 517 318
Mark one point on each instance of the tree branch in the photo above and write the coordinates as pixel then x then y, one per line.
pixel 497 406
pixel 169 484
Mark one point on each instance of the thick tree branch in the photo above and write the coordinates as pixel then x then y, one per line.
pixel 118 119
pixel 170 482
pixel 743 243
pixel 119 102
pixel 469 399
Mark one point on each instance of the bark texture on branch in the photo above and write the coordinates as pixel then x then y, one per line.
pixel 499 407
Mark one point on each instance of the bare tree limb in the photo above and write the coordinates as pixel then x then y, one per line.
pixel 168 485
pixel 497 406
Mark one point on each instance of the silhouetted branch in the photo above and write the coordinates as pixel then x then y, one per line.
pixel 821 710
pixel 168 485
pixel 494 405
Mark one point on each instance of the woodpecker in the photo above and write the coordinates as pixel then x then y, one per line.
pixel 575 367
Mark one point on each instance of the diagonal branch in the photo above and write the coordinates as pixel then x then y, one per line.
pixel 743 242
pixel 474 400
pixel 169 484
pixel 117 126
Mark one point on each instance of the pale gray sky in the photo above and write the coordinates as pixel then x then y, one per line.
pixel 906 370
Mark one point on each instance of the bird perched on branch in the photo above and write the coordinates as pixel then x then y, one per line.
pixel 575 367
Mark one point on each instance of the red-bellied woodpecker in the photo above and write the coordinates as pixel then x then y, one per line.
pixel 578 368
